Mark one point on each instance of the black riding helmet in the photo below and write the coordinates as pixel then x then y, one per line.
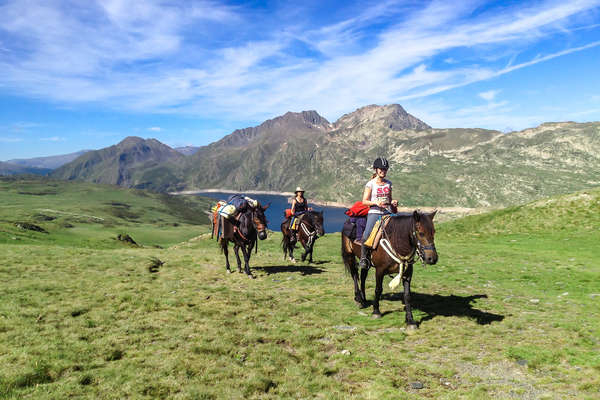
pixel 381 163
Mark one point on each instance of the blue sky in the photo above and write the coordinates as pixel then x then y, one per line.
pixel 85 74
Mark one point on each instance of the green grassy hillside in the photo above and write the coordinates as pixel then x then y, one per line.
pixel 84 214
pixel 577 212
pixel 509 311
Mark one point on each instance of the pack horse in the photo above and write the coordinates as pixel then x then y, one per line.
pixel 240 220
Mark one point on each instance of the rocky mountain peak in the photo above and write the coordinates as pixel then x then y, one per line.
pixel 279 127
pixel 130 141
pixel 392 116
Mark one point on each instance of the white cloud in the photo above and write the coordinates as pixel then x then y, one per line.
pixel 144 58
pixel 10 139
pixel 489 95
pixel 53 139
pixel 155 129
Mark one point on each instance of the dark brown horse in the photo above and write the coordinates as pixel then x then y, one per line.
pixel 243 233
pixel 310 228
pixel 404 235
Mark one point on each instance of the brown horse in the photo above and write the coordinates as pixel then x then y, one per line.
pixel 243 233
pixel 310 228
pixel 405 235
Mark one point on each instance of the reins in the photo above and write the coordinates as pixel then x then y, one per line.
pixel 417 246
pixel 311 235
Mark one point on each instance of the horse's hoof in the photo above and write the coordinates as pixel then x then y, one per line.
pixel 251 276
pixel 293 261
pixel 360 304
pixel 376 315
pixel 228 271
pixel 411 328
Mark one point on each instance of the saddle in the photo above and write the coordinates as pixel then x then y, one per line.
pixel 377 231
pixel 221 230
pixel 297 221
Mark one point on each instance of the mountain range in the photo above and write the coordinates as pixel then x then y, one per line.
pixel 429 167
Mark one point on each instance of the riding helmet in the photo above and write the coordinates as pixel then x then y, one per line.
pixel 381 163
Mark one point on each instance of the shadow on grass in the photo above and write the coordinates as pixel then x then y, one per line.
pixel 303 269
pixel 447 306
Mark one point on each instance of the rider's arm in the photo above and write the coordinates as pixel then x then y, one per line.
pixel 367 196
pixel 393 202
pixel 293 206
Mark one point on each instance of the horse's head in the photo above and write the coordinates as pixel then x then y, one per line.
pixel 425 232
pixel 317 221
pixel 260 221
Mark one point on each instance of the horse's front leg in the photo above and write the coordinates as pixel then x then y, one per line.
pixel 378 290
pixel 406 278
pixel 247 251
pixel 306 250
pixel 312 247
pixel 236 249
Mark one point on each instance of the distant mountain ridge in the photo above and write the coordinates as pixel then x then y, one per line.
pixel 122 164
pixel 434 167
pixel 50 162
pixel 15 169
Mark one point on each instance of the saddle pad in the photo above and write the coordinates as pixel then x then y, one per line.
pixel 371 239
pixel 227 211
pixel 375 235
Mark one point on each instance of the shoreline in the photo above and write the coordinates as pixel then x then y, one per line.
pixel 442 210
pixel 271 192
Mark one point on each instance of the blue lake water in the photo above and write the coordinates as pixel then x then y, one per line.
pixel 333 217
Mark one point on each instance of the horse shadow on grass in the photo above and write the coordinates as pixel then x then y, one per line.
pixel 446 306
pixel 303 269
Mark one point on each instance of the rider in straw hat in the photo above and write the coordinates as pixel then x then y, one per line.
pixel 299 207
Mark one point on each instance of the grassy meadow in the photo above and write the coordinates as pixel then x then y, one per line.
pixel 509 311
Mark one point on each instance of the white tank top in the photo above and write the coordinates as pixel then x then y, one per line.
pixel 379 193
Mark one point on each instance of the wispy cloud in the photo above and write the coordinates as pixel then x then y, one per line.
pixel 155 129
pixel 489 95
pixel 53 139
pixel 10 139
pixel 161 58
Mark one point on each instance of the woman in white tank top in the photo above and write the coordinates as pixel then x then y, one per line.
pixel 378 196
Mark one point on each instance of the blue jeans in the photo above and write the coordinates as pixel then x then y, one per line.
pixel 371 219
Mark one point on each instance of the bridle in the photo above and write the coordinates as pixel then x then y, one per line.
pixel 418 247
pixel 311 235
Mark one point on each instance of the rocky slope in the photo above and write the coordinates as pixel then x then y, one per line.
pixel 125 163
pixel 51 162
pixel 430 167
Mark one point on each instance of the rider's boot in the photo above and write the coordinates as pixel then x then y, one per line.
pixel 365 253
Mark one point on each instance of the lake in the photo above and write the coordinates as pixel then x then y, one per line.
pixel 333 217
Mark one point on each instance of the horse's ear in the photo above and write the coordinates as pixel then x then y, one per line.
pixel 416 215
pixel 433 214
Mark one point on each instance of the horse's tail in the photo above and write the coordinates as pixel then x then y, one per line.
pixel 349 259
pixel 284 239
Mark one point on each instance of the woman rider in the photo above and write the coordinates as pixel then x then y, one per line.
pixel 299 207
pixel 378 196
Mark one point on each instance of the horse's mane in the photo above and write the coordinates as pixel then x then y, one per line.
pixel 245 222
pixel 400 226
